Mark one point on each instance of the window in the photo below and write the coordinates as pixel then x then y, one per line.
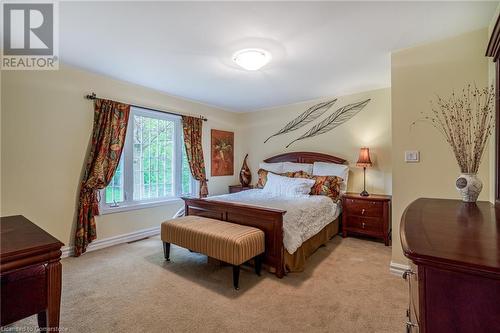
pixel 153 167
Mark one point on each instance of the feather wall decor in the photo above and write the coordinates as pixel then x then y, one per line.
pixel 311 114
pixel 337 118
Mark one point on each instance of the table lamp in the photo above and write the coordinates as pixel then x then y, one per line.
pixel 364 162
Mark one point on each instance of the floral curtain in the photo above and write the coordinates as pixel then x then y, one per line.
pixel 108 137
pixel 192 128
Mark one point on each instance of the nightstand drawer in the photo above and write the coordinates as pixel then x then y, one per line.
pixel 364 207
pixel 364 223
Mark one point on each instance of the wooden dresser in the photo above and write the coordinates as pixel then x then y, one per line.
pixel 30 273
pixel 454 280
pixel 369 216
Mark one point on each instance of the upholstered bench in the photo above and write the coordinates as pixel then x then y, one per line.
pixel 228 242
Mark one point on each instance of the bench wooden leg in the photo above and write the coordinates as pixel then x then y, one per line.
pixel 166 250
pixel 258 264
pixel 236 277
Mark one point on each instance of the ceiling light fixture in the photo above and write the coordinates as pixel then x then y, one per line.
pixel 252 59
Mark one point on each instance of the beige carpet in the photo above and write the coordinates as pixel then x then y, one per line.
pixel 346 287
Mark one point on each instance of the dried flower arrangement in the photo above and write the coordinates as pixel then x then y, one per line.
pixel 466 122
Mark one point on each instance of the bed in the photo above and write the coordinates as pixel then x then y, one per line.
pixel 290 237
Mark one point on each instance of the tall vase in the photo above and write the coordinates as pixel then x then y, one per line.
pixel 245 175
pixel 469 186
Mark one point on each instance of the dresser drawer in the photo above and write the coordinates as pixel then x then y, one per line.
pixel 364 207
pixel 369 224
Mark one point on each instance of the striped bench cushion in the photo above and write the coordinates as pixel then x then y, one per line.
pixel 228 242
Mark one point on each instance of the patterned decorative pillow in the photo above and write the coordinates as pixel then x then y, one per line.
pixel 262 178
pixel 297 174
pixel 324 185
pixel 327 185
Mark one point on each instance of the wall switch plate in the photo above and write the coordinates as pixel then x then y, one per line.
pixel 412 156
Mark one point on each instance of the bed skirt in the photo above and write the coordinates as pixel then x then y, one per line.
pixel 297 261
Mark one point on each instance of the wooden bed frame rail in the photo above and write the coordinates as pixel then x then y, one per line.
pixel 266 219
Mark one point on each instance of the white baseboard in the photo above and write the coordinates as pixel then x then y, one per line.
pixel 398 269
pixel 67 251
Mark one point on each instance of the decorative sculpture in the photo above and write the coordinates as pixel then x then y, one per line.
pixel 245 174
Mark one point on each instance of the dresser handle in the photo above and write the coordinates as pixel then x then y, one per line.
pixel 409 326
pixel 363 211
pixel 407 273
pixel 363 225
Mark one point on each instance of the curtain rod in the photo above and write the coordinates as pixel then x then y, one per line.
pixel 92 96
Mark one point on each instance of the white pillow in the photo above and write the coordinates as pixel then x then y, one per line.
pixel 272 167
pixel 332 169
pixel 288 187
pixel 294 167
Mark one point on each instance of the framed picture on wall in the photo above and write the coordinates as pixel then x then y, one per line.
pixel 222 153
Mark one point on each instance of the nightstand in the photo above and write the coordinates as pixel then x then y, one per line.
pixel 239 188
pixel 368 216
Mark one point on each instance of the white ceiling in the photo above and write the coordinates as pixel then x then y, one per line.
pixel 319 49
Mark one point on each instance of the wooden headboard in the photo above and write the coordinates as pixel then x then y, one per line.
pixel 305 157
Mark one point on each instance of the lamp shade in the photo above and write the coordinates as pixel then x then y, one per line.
pixel 364 158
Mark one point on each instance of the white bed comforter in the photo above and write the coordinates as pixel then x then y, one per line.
pixel 304 217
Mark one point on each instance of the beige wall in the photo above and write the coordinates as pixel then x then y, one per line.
pixel 371 127
pixel 418 74
pixel 46 127
pixel 491 77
